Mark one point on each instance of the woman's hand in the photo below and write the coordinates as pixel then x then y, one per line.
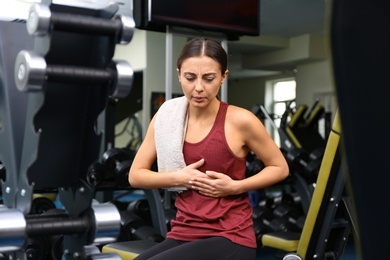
pixel 214 184
pixel 190 172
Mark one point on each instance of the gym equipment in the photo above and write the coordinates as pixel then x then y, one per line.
pixel 2 171
pixel 141 208
pixel 298 128
pixel 288 145
pixel 133 227
pixel 32 71
pixel 287 211
pixel 117 161
pixel 286 142
pixel 328 223
pixel 261 212
pixel 36 248
pixel 292 214
pixel 279 209
pixel 41 204
pixel 128 249
pixel 279 224
pixel 95 174
pixel 260 215
pixel 41 21
pixel 360 61
pixel 288 112
pixel 305 164
pixel 276 216
pixel 303 130
pixel 53 131
pixel 100 225
pixel 111 172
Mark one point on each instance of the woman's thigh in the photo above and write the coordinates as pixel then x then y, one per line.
pixel 160 247
pixel 215 248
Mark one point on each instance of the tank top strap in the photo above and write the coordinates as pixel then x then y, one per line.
pixel 220 120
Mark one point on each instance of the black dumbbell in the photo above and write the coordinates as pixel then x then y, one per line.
pixel 292 214
pixel 134 228
pixel 41 21
pixel 36 248
pixel 314 163
pixel 31 72
pixel 42 204
pixel 117 162
pixel 260 216
pixel 299 222
pixel 129 221
pixel 56 247
pixel 261 212
pixel 260 229
pixel 147 233
pixel 141 208
pixel 296 158
pixel 286 211
pixel 278 224
pixel 307 164
pixel 292 198
pixel 95 173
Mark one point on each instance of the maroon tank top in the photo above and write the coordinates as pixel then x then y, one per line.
pixel 200 216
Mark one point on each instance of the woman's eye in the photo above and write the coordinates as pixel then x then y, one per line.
pixel 190 79
pixel 209 79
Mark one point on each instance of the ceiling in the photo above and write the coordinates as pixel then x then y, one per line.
pixel 278 18
pixel 285 18
pixel 288 18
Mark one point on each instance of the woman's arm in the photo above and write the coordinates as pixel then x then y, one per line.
pixel 141 175
pixel 249 135
pixel 263 146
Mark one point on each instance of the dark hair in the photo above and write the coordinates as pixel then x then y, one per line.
pixel 204 47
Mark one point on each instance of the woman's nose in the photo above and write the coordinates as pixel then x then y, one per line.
pixel 198 86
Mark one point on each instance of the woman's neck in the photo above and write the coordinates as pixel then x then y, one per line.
pixel 204 113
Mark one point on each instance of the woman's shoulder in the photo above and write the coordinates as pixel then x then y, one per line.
pixel 240 116
pixel 237 112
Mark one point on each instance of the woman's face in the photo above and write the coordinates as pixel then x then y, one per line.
pixel 201 79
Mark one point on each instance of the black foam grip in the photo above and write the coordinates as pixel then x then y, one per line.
pixel 85 24
pixel 79 75
pixel 39 225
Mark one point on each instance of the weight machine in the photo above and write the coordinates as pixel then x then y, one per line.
pixel 57 79
pixel 288 145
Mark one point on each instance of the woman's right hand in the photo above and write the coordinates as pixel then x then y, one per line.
pixel 189 172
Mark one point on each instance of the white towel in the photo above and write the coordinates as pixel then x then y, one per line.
pixel 169 133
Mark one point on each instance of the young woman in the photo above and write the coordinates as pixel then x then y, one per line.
pixel 214 215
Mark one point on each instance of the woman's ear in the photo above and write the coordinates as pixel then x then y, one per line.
pixel 178 74
pixel 224 76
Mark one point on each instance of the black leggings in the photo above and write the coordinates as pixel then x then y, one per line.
pixel 214 248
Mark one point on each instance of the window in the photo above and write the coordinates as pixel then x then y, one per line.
pixel 281 97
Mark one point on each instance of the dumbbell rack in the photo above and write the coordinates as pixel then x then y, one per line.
pixel 52 118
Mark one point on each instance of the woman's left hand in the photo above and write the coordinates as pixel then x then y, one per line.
pixel 214 185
